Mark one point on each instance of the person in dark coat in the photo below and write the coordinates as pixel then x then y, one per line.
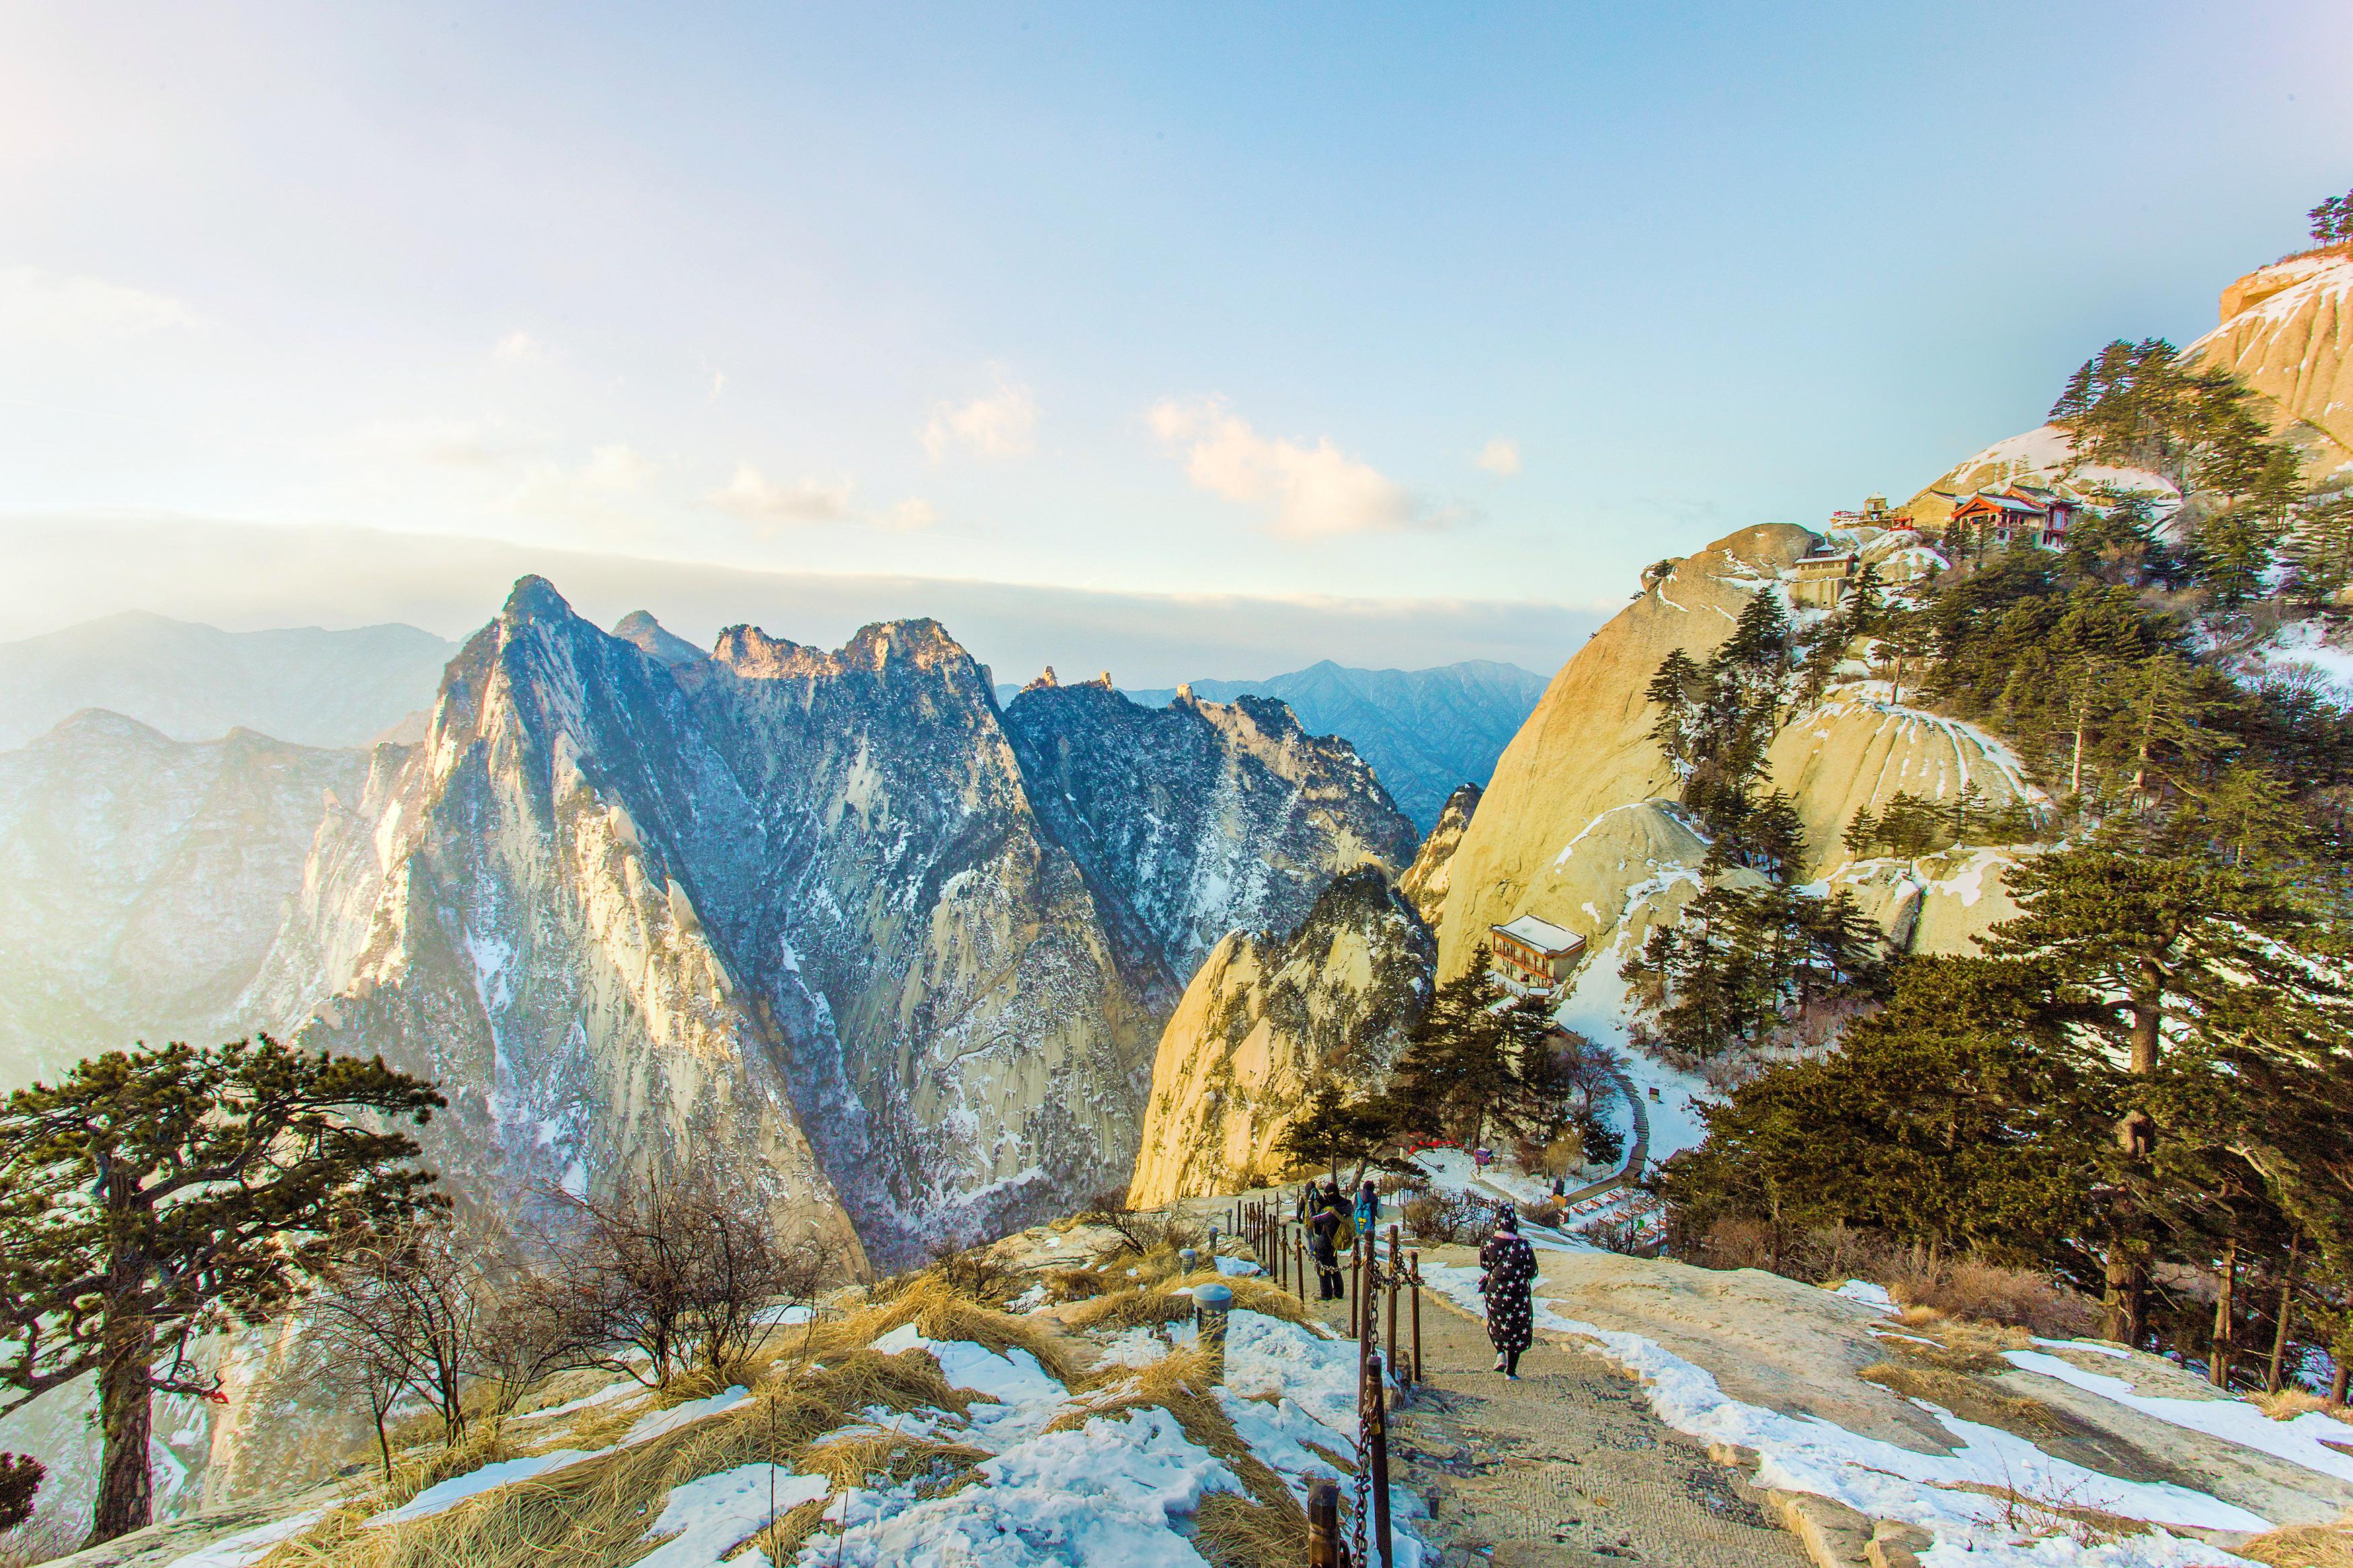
pixel 1323 1242
pixel 1509 1266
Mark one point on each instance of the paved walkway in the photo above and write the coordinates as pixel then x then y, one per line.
pixel 1565 1468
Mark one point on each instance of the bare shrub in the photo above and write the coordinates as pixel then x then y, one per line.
pixel 1546 1212
pixel 1437 1218
pixel 681 1270
pixel 976 1272
pixel 404 1310
pixel 1991 1292
pixel 1140 1231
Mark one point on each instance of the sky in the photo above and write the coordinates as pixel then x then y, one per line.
pixel 1207 339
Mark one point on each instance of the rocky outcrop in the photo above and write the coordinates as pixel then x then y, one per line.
pixel 781 907
pixel 1855 753
pixel 141 881
pixel 1580 825
pixel 1199 819
pixel 1425 882
pixel 1422 731
pixel 1587 751
pixel 1266 1017
pixel 2287 331
pixel 650 637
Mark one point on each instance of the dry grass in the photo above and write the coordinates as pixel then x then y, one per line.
pixel 1968 1396
pixel 1233 1531
pixel 1149 1305
pixel 2304 1546
pixel 939 1313
pixel 2290 1403
pixel 2034 1514
pixel 1252 1293
pixel 1967 1287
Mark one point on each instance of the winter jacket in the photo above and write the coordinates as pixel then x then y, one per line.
pixel 1510 1265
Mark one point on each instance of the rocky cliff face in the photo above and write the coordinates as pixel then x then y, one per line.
pixel 1199 819
pixel 1423 731
pixel 1425 882
pixel 783 907
pixel 798 910
pixel 1264 1018
pixel 141 879
pixel 2287 330
pixel 1580 825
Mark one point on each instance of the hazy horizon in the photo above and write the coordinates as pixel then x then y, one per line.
pixel 1209 342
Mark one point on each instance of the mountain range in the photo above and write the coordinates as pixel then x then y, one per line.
pixel 1423 731
pixel 830 917
pixel 192 682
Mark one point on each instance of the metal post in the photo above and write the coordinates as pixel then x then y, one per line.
pixel 1187 1261
pixel 1413 1260
pixel 1389 1341
pixel 1299 1266
pixel 1212 1304
pixel 1372 1415
pixel 1322 1525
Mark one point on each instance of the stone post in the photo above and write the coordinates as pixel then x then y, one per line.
pixel 1211 1303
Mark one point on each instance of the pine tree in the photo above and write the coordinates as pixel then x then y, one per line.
pixel 2145 937
pixel 2320 546
pixel 1453 1073
pixel 1332 1130
pixel 153 1190
pixel 2332 220
pixel 20 1478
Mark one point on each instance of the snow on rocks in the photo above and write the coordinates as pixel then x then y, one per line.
pixel 1868 1294
pixel 1111 1491
pixel 1013 1378
pixel 2316 1441
pixel 1952 1496
pixel 442 1496
pixel 709 1517
pixel 249 1546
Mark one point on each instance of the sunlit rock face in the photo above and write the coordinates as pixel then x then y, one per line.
pixel 1425 882
pixel 141 879
pixel 2287 331
pixel 1199 819
pixel 1265 1017
pixel 794 910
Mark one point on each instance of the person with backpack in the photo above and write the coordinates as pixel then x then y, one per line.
pixel 1368 1210
pixel 1509 1274
pixel 1323 1242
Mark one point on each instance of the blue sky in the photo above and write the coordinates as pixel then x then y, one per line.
pixel 1473 308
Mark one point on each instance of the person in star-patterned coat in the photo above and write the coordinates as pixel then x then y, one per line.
pixel 1510 1265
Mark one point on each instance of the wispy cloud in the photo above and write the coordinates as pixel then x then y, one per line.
pixel 995 425
pixel 1308 492
pixel 617 467
pixel 759 499
pixel 447 443
pixel 769 505
pixel 37 303
pixel 518 346
pixel 1500 456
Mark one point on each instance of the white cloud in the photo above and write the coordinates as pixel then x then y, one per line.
pixel 762 501
pixel 1002 423
pixel 769 506
pixel 616 468
pixel 52 304
pixel 1500 456
pixel 1314 492
pixel 910 515
pixel 517 345
pixel 442 443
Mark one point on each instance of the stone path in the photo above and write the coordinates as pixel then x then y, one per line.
pixel 1565 1467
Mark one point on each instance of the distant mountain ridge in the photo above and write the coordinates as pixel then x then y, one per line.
pixel 305 685
pixel 1423 731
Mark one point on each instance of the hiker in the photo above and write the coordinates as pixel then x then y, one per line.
pixel 1322 1245
pixel 1510 1271
pixel 1368 1209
